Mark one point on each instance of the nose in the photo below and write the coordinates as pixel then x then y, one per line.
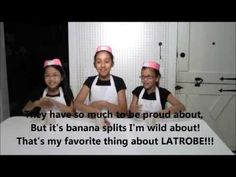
pixel 51 78
pixel 102 64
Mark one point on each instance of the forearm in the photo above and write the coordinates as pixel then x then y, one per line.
pixel 64 108
pixel 85 108
pixel 115 108
pixel 133 109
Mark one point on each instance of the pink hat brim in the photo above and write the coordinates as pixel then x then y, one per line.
pixel 104 48
pixel 152 64
pixel 54 61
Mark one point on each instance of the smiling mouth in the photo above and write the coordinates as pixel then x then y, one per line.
pixel 103 71
pixel 52 84
pixel 146 85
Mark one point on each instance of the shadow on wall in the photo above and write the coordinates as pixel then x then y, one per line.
pixel 27 46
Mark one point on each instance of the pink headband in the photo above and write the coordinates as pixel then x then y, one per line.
pixel 152 64
pixel 54 61
pixel 105 48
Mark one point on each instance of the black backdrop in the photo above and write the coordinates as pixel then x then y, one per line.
pixel 28 44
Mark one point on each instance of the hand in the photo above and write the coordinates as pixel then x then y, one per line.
pixel 102 122
pixel 165 111
pixel 138 108
pixel 45 103
pixel 107 122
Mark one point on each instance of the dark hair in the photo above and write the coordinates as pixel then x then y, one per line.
pixel 64 84
pixel 111 55
pixel 157 74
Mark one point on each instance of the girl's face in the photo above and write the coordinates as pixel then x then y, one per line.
pixel 103 64
pixel 52 77
pixel 149 78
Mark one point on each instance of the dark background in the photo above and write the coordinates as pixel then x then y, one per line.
pixel 27 46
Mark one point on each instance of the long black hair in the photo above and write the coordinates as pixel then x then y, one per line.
pixel 64 84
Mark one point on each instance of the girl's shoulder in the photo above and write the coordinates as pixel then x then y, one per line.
pixel 137 90
pixel 117 78
pixel 164 91
pixel 91 78
pixel 119 83
pixel 88 82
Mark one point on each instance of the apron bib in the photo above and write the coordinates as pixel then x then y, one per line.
pixel 60 99
pixel 104 92
pixel 149 106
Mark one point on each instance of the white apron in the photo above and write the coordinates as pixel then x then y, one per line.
pixel 104 92
pixel 150 105
pixel 60 99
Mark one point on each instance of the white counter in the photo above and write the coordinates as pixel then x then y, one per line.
pixel 166 142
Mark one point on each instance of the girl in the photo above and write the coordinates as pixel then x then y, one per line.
pixel 55 95
pixel 106 91
pixel 150 97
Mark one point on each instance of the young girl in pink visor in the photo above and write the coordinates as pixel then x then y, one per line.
pixel 150 97
pixel 55 95
pixel 106 91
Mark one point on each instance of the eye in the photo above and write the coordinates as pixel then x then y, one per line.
pixel 146 77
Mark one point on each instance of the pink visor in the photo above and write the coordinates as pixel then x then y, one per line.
pixel 105 48
pixel 54 61
pixel 151 64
